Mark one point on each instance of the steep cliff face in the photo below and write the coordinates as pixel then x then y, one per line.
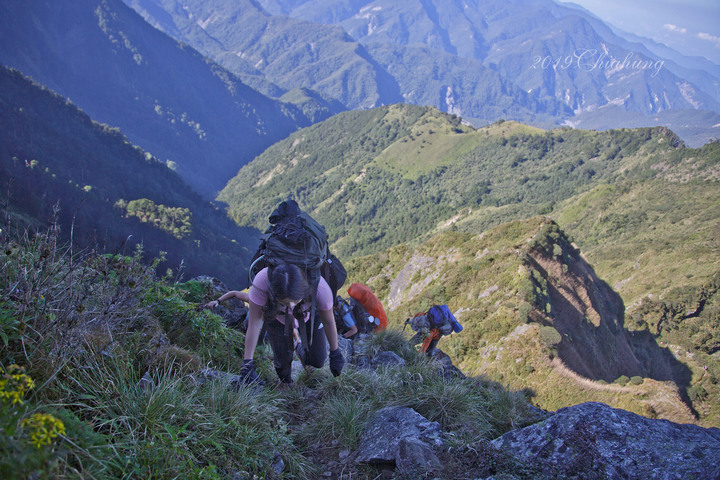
pixel 584 310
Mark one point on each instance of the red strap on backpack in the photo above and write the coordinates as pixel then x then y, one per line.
pixel 434 335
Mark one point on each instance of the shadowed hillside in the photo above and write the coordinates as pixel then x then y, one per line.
pixel 168 99
pixel 110 195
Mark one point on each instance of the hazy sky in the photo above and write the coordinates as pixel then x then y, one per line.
pixel 689 26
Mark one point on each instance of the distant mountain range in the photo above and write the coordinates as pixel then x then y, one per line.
pixel 285 65
pixel 536 61
pixel 167 98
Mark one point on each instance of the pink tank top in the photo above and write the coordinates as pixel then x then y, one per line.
pixel 261 286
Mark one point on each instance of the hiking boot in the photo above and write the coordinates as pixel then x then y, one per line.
pixel 248 374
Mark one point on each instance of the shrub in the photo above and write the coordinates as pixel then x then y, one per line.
pixel 28 436
pixel 549 336
pixel 524 312
pixel 622 380
pixel 697 393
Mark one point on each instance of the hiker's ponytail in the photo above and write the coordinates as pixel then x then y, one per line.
pixel 286 281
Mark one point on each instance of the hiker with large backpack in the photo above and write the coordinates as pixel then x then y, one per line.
pixel 344 318
pixel 279 296
pixel 294 280
pixel 360 314
pixel 431 326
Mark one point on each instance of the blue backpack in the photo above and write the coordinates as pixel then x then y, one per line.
pixel 441 317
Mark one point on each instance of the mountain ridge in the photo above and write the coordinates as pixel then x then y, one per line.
pixel 564 66
pixel 163 95
pixel 496 28
pixel 387 180
pixel 535 317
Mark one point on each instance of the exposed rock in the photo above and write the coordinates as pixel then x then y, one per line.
pixel 593 440
pixel 448 369
pixel 393 426
pixel 415 457
pixel 362 361
pixel 346 347
pixel 278 465
pixel 211 375
pixel 360 357
pixel 145 384
pixel 232 381
pixel 388 359
pixel 586 312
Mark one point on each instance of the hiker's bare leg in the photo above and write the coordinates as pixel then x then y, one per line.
pixel 255 321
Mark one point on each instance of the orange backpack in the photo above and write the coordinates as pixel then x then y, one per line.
pixel 370 303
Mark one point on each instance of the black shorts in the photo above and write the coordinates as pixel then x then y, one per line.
pixel 283 356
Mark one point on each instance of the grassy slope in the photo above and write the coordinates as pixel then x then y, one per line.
pixel 646 238
pixel 399 174
pixel 484 279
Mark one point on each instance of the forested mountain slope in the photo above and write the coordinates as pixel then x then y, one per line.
pixel 366 173
pixel 277 53
pixel 183 108
pixel 110 194
pixel 641 206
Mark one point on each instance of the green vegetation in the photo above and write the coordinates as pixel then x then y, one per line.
pixel 174 220
pixel 390 175
pixel 650 236
pixel 447 213
pixel 641 207
pixel 107 371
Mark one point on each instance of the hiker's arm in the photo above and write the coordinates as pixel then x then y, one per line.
pixel 255 320
pixel 352 331
pixel 244 296
pixel 227 295
pixel 328 320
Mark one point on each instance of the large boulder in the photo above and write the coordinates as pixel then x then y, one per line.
pixel 593 440
pixel 399 436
